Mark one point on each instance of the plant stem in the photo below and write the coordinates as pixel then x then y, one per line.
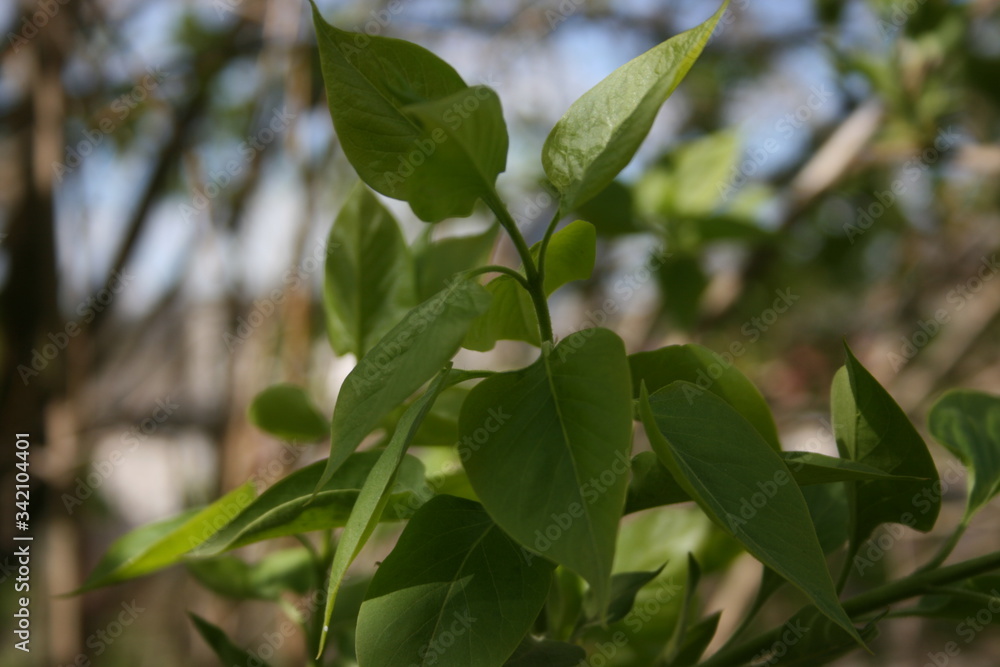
pixel 506 270
pixel 543 249
pixel 890 593
pixel 534 278
pixel 947 547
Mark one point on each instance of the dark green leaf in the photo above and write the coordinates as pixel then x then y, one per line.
pixel 570 256
pixel 695 641
pixel 533 652
pixel 467 151
pixel 872 429
pixel 369 281
pixel 469 604
pixel 708 371
pixel 624 587
pixel 229 654
pixel 437 262
pixel 602 130
pixel 293 505
pixel 742 484
pixel 405 358
pixel 374 495
pixel 611 211
pixel 813 640
pixel 286 412
pixel 158 545
pixel 546 449
pixel 287 570
pixel 812 468
pixel 968 424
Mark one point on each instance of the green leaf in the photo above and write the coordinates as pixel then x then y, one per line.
pixel 404 359
pixel 968 423
pixel 624 587
pixel 872 429
pixel 695 641
pixel 437 262
pixel 742 484
pixel 293 505
pixel 611 211
pixel 229 654
pixel 158 545
pixel 652 484
pixel 374 495
pixel 689 609
pixel 533 652
pixel 368 284
pixel 683 281
pixel 602 130
pixel 285 411
pixel 511 316
pixel 286 570
pixel 467 151
pixel 468 604
pixel 369 82
pixel 813 468
pixel 962 600
pixel 708 371
pixel 546 449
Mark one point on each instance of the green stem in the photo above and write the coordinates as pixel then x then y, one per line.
pixel 896 591
pixel 534 278
pixel 947 547
pixel 494 268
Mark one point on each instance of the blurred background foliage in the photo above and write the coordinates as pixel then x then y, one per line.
pixel 828 170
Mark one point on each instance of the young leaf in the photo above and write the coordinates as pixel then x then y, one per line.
pixel 533 652
pixel 968 424
pixel 742 484
pixel 161 544
pixel 546 449
pixel 872 429
pixel 438 261
pixel 695 641
pixel 707 371
pixel 374 495
pixel 293 505
pixel 286 570
pixel 229 654
pixel 689 609
pixel 444 595
pixel 468 152
pixel 368 283
pixel 602 130
pixel 285 411
pixel 405 358
pixel 368 82
pixel 624 587
pixel 570 256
